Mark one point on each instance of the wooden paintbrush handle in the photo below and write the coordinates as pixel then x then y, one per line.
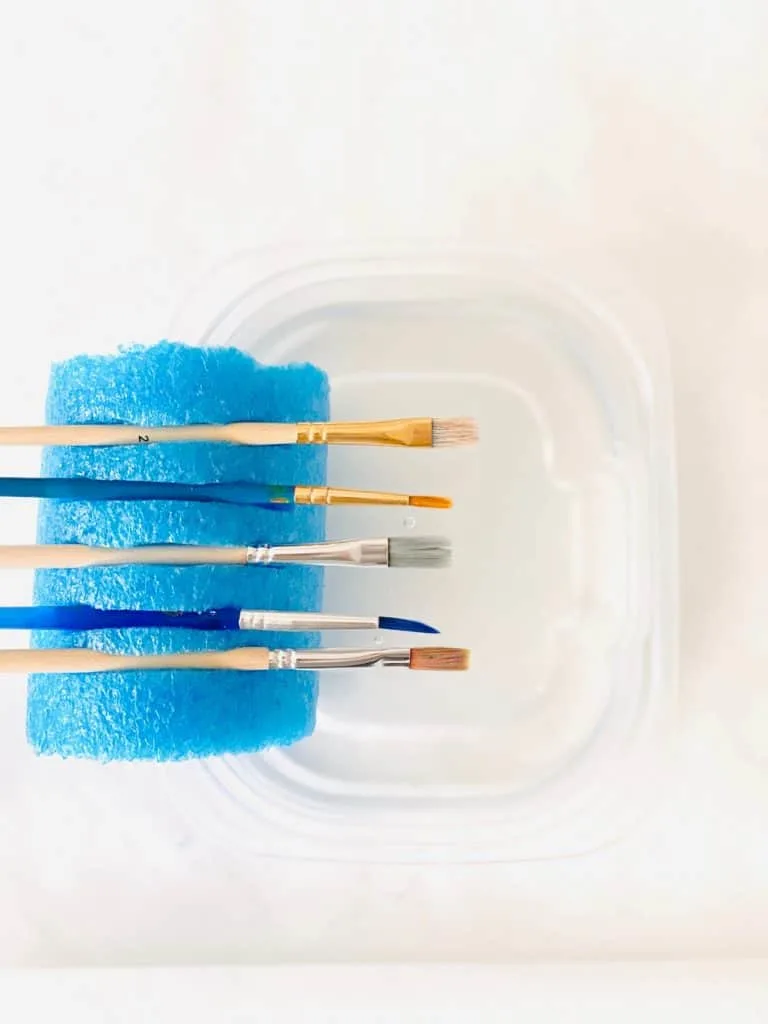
pixel 75 556
pixel 117 434
pixel 66 660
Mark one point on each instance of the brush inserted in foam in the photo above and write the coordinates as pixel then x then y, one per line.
pixel 397 552
pixel 418 432
pixel 453 432
pixel 439 659
pixel 84 617
pixel 243 492
pixel 419 552
pixel 74 660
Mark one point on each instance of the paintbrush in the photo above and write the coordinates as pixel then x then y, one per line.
pixel 422 432
pixel 394 552
pixel 248 659
pixel 237 493
pixel 84 617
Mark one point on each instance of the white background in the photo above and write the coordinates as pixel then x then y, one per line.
pixel 146 142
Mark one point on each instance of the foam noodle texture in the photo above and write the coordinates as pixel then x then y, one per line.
pixel 167 715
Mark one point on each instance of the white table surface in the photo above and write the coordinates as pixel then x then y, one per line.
pixel 147 142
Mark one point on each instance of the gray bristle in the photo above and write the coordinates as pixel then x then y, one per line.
pixel 419 552
pixel 449 433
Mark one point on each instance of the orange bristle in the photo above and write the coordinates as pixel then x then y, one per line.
pixel 429 501
pixel 439 659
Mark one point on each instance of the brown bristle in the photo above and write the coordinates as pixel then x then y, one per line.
pixel 429 501
pixel 449 433
pixel 439 659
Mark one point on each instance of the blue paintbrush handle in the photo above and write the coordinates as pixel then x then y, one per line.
pixel 84 616
pixel 83 489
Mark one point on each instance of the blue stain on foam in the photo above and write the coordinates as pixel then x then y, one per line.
pixel 167 715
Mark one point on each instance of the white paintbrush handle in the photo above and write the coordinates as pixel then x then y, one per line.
pixel 108 434
pixel 248 659
pixel 76 556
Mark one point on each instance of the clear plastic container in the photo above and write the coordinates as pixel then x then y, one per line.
pixel 564 575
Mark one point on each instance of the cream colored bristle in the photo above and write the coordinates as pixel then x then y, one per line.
pixel 450 433
pixel 439 659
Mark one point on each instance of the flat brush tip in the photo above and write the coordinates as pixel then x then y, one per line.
pixel 439 659
pixel 429 501
pixel 419 552
pixel 405 625
pixel 451 433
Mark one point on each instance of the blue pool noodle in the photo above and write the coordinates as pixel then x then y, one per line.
pixel 169 715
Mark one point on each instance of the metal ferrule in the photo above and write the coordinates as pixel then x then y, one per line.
pixel 343 552
pixel 409 433
pixel 306 495
pixel 290 621
pixel 340 657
